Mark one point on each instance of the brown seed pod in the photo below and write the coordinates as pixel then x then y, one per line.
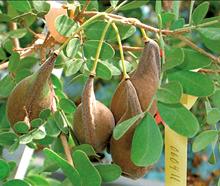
pixel 31 95
pixel 145 80
pixel 93 121
pixel 121 149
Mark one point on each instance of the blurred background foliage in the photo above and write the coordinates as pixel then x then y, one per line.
pixel 201 172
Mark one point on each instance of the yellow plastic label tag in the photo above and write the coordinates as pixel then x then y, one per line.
pixel 176 152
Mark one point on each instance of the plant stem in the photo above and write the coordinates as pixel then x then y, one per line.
pixel 79 29
pixel 190 28
pixel 137 23
pixel 66 148
pixel 83 9
pixel 125 75
pixel 128 48
pixel 62 136
pixel 200 50
pixel 144 35
pixel 15 41
pixel 93 71
pixel 119 6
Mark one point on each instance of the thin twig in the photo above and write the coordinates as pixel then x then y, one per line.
pixel 128 48
pixel 83 10
pixel 63 138
pixel 137 23
pixel 66 148
pixel 200 50
pixel 13 26
pixel 209 71
pixel 129 21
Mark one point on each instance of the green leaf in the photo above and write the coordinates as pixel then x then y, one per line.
pixel 45 113
pixel 210 36
pixel 37 180
pixel 102 70
pixel 184 122
pixel 213 116
pixel 200 12
pixel 174 57
pixel 90 49
pixel 88 149
pixel 51 128
pixel 38 134
pixel 88 173
pixel 21 5
pixel 65 26
pixel 27 63
pixel 109 173
pixel 212 158
pixel 4 169
pixel 124 126
pixel 72 47
pixel 158 6
pixel 147 142
pixel 12 165
pixel 67 105
pixel 36 122
pixel 95 29
pixel 93 5
pixel 170 93
pixel 4 18
pixel 41 6
pixel 56 82
pixel 6 86
pixel 4 123
pixel 19 33
pixel 176 7
pixel 212 18
pixel 8 45
pixel 204 139
pixel 21 127
pixel 26 138
pixel 177 24
pixel 193 83
pixel 61 121
pixel 215 98
pixel 14 61
pixel 114 70
pixel 8 138
pixel 114 3
pixel 16 182
pixel 2 54
pixel 50 165
pixel 21 74
pixel 133 5
pixel 48 140
pixel 194 60
pixel 67 169
pixel 26 19
pixel 73 66
pixel 167 19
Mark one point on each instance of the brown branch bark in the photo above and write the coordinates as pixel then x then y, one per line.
pixel 66 148
pixel 129 21
pixel 209 71
pixel 79 16
pixel 13 26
